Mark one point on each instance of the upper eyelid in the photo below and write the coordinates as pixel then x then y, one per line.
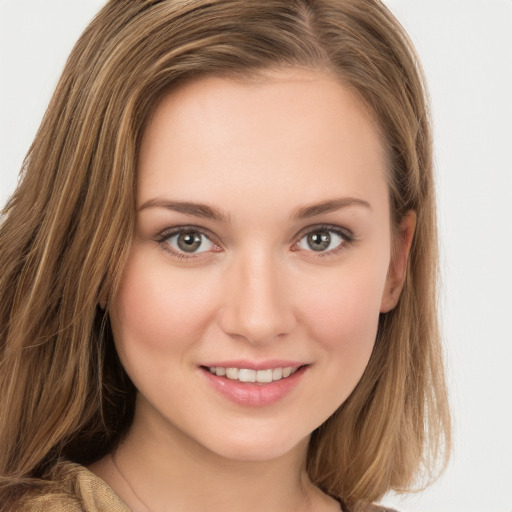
pixel 344 232
pixel 176 230
pixel 168 233
pixel 164 235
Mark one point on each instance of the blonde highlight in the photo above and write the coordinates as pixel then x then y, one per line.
pixel 66 233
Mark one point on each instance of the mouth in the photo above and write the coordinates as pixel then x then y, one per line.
pixel 249 375
pixel 254 385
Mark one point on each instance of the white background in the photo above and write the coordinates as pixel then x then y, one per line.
pixel 466 49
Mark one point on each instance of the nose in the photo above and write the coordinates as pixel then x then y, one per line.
pixel 257 303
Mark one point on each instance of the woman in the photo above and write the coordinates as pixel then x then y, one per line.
pixel 219 268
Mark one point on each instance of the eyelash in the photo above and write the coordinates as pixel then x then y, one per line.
pixel 345 234
pixel 164 237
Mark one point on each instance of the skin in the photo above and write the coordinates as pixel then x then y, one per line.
pixel 259 153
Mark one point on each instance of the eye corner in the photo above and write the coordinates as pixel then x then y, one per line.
pixel 341 236
pixel 169 241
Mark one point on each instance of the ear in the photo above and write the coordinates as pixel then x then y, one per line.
pixel 397 271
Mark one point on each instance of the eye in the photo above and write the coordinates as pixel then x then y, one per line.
pixel 188 241
pixel 323 240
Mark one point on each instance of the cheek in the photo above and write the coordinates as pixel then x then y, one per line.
pixel 342 310
pixel 156 305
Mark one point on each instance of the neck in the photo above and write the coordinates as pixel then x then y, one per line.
pixel 163 469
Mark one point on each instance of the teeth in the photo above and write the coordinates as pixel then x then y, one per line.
pixel 248 375
pixel 232 373
pixel 277 374
pixel 245 375
pixel 264 376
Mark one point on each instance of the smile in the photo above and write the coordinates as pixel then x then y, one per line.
pixel 264 376
pixel 264 385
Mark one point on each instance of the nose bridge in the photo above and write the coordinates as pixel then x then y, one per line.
pixel 257 304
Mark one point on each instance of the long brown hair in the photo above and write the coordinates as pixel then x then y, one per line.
pixel 67 229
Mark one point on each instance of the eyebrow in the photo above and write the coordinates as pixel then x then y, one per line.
pixel 196 209
pixel 329 206
pixel 208 212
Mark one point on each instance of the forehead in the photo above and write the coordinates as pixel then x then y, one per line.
pixel 299 132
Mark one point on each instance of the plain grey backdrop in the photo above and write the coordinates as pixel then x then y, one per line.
pixel 466 50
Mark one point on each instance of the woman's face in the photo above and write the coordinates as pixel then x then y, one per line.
pixel 262 254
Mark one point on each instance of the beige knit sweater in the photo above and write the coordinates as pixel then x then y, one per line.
pixel 76 489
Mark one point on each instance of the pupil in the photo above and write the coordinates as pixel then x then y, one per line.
pixel 319 241
pixel 189 242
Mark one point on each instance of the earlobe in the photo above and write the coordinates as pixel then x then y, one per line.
pixel 397 271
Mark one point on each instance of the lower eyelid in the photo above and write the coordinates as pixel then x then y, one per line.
pixel 162 241
pixel 346 238
pixel 164 237
pixel 205 238
pixel 331 252
pixel 179 254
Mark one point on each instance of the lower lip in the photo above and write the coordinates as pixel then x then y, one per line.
pixel 252 394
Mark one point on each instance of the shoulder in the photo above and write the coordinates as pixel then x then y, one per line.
pixel 378 508
pixel 72 488
pixel 369 507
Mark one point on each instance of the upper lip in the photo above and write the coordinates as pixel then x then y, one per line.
pixel 255 365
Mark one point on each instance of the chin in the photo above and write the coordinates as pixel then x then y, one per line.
pixel 259 447
pixel 261 452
